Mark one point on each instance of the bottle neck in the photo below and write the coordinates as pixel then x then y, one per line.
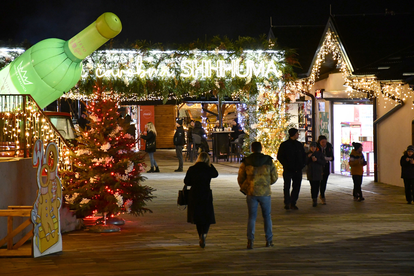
pixel 92 37
pixel 69 53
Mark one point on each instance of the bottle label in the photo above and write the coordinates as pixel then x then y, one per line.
pixel 77 47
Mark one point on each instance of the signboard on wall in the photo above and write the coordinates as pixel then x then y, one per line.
pixel 324 124
pixel 308 125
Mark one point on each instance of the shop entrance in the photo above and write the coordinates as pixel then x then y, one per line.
pixel 352 123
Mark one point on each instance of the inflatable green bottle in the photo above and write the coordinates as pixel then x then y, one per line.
pixel 53 66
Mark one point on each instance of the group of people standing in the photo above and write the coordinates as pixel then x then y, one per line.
pixel 293 158
pixel 257 173
pixel 150 134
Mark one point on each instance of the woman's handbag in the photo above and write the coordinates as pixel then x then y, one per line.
pixel 150 145
pixel 183 196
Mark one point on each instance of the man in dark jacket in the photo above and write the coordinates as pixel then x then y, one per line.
pixel 327 151
pixel 292 156
pixel 179 142
pixel 256 173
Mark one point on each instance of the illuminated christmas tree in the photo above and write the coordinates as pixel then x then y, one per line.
pixel 267 120
pixel 106 173
pixel 272 121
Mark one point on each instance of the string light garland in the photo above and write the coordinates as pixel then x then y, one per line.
pixel 106 174
pixel 23 123
pixel 142 75
pixel 361 87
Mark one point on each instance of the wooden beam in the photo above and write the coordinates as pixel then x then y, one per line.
pixel 15 213
pixel 16 231
pixel 20 207
pixel 24 239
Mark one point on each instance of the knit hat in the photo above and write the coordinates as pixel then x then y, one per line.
pixel 292 131
pixel 313 144
pixel 356 145
pixel 180 122
pixel 411 147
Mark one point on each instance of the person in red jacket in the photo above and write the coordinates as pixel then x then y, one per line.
pixel 357 163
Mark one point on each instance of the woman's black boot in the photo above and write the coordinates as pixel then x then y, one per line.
pixel 203 240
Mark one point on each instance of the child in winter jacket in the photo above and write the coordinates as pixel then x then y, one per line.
pixel 357 163
pixel 407 173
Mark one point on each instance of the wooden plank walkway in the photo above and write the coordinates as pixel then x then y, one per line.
pixel 344 237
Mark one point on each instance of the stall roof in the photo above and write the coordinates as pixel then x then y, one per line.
pixel 380 44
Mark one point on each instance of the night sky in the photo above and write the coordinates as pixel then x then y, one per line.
pixel 177 21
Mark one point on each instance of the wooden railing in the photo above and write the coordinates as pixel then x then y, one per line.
pixel 14 249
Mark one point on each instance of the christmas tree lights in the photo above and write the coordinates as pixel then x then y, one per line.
pixel 106 175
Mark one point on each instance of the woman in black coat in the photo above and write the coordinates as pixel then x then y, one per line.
pixel 200 203
pixel 407 173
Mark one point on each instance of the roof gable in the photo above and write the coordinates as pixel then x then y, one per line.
pixel 370 44
pixel 381 45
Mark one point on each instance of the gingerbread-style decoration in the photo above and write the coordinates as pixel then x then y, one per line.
pixel 45 215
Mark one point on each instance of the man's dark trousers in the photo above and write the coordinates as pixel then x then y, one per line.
pixel 294 178
pixel 179 152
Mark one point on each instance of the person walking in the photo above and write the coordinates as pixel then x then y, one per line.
pixel 150 135
pixel 315 162
pixel 256 173
pixel 327 151
pixel 200 203
pixel 407 173
pixel 357 163
pixel 179 142
pixel 292 156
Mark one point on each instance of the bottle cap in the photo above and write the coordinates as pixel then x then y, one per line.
pixel 108 25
